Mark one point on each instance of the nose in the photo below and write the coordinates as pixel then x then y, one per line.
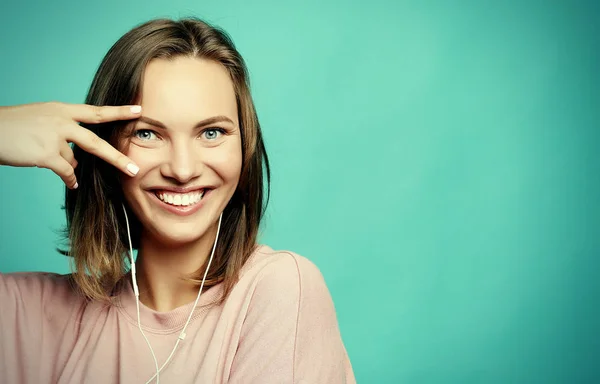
pixel 183 163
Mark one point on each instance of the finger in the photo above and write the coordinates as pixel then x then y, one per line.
pixel 95 145
pixel 67 153
pixel 63 169
pixel 93 114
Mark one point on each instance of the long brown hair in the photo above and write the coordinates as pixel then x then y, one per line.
pixel 96 230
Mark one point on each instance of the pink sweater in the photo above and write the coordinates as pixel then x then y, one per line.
pixel 278 326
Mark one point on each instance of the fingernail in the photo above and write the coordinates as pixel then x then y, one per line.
pixel 136 109
pixel 76 185
pixel 134 169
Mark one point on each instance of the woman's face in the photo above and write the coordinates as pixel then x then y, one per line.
pixel 188 147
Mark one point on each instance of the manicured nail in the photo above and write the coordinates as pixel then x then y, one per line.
pixel 136 109
pixel 134 169
pixel 76 185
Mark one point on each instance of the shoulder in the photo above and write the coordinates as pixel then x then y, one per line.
pixel 28 285
pixel 287 308
pixel 282 266
pixel 283 275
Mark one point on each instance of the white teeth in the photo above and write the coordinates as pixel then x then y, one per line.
pixel 180 199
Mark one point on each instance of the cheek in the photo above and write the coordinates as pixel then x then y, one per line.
pixel 146 159
pixel 130 185
pixel 227 163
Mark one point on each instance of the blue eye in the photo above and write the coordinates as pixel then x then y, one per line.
pixel 212 133
pixel 144 134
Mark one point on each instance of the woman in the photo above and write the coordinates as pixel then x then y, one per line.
pixel 171 165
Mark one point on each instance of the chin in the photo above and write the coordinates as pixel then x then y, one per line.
pixel 179 235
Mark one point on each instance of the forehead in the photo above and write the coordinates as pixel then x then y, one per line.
pixel 183 91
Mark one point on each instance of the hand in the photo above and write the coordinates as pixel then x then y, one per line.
pixel 39 135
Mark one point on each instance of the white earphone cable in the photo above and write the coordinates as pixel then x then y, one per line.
pixel 182 335
pixel 137 294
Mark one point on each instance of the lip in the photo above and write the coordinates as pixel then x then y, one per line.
pixel 182 189
pixel 180 210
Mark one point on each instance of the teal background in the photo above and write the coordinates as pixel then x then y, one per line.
pixel 437 160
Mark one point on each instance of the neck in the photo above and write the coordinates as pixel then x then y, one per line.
pixel 161 268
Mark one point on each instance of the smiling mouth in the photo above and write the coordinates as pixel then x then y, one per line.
pixel 180 199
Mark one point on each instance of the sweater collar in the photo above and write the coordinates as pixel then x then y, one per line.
pixel 163 322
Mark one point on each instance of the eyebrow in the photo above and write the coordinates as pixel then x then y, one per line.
pixel 200 124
